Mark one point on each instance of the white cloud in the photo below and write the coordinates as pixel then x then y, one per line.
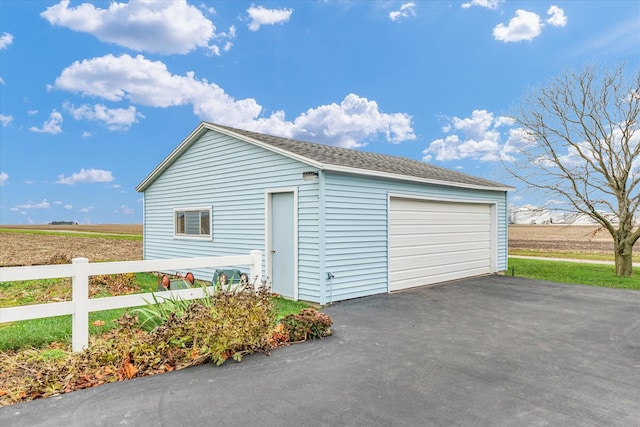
pixel 86 134
pixel 32 112
pixel 524 26
pixel 68 207
pixel 207 8
pixel 146 82
pixel 348 124
pixel 6 40
pixel 86 175
pixel 476 137
pixel 528 25
pixel 30 205
pixel 150 83
pixel 558 18
pixel 5 120
pixel 87 209
pixel 259 16
pixel 405 11
pixel 166 27
pixel 4 177
pixel 125 210
pixel 52 126
pixel 488 4
pixel 113 118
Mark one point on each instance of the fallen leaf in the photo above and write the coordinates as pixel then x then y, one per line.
pixel 130 370
pixel 98 323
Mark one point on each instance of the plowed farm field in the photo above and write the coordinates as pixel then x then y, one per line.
pixel 22 248
pixel 587 239
pixel 31 249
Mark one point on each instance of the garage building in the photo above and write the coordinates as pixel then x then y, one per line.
pixel 333 223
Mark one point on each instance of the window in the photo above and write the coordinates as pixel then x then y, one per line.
pixel 192 222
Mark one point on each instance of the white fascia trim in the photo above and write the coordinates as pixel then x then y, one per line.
pixel 368 172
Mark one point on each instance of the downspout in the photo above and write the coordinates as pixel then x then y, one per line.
pixel 322 275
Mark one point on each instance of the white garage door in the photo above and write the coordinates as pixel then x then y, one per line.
pixel 431 241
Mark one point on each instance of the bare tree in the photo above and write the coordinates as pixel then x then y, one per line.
pixel 580 137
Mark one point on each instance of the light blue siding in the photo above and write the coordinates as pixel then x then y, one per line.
pixel 231 176
pixel 356 229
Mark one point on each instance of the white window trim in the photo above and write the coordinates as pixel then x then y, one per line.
pixel 193 236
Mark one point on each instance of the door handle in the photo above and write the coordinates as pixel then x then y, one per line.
pixel 273 251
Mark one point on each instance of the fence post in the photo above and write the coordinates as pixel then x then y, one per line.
pixel 256 268
pixel 80 316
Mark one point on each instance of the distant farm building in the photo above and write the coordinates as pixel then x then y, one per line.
pixel 529 214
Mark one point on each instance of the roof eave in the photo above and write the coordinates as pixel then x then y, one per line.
pixel 206 126
pixel 379 174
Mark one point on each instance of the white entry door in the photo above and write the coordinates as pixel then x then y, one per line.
pixel 283 244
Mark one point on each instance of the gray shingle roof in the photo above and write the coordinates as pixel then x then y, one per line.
pixel 350 158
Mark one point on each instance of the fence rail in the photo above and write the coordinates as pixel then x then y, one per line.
pixel 81 305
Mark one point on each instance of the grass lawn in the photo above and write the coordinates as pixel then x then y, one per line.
pixel 573 272
pixel 568 255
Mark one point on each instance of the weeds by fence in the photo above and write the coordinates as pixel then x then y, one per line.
pixel 80 269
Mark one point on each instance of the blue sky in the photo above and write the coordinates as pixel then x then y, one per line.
pixel 93 95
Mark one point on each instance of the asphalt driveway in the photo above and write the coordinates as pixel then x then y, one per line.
pixel 494 350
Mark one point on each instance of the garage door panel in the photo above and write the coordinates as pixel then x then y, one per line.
pixel 439 258
pixel 424 272
pixel 444 220
pixel 424 240
pixel 415 205
pixel 454 250
pixel 430 275
pixel 430 242
pixel 445 213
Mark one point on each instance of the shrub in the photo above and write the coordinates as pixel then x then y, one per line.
pixel 227 323
pixel 308 324
pixel 113 284
pixel 156 313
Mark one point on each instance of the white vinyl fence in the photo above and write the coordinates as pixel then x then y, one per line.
pixel 80 270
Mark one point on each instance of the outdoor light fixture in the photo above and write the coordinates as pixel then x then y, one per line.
pixel 310 176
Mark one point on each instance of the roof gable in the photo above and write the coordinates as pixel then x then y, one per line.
pixel 336 159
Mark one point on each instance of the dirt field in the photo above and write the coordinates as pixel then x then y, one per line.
pixel 561 238
pixel 31 249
